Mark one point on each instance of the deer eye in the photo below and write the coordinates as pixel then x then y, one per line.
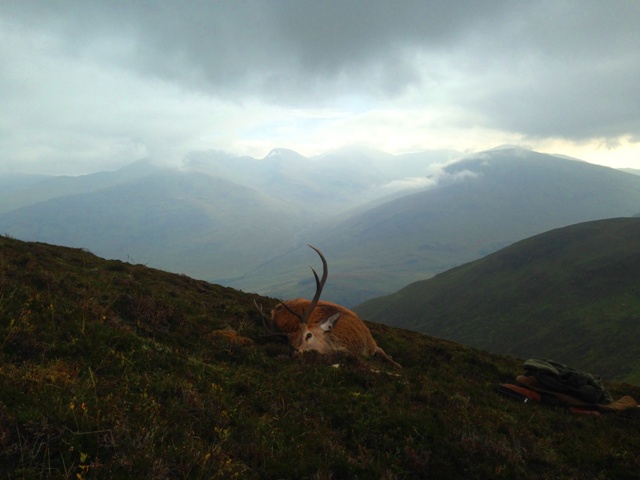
pixel 308 336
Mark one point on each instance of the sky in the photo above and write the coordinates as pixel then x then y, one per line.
pixel 96 84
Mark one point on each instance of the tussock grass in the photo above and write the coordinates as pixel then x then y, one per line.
pixel 113 370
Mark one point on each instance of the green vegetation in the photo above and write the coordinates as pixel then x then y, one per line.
pixel 572 294
pixel 114 370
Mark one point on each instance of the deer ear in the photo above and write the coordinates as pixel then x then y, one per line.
pixel 330 322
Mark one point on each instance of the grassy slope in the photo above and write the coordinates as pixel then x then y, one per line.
pixel 572 294
pixel 113 370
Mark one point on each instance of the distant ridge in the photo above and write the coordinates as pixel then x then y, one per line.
pixel 571 294
pixel 184 222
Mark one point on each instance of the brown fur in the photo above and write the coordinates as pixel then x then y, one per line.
pixel 349 333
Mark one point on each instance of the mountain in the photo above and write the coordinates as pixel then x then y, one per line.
pixel 326 184
pixel 571 294
pixel 218 217
pixel 21 190
pixel 184 222
pixel 114 370
pixel 17 181
pixel 472 207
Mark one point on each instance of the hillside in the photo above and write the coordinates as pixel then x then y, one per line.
pixel 184 222
pixel 473 207
pixel 571 294
pixel 115 370
pixel 21 190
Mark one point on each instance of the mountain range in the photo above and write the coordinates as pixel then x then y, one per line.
pixel 383 221
pixel 327 184
pixel 473 207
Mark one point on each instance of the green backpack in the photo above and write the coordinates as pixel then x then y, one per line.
pixel 560 378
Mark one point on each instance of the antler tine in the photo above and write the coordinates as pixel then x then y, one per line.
pixel 291 310
pixel 264 322
pixel 319 285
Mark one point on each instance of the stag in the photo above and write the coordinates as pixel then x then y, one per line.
pixel 324 326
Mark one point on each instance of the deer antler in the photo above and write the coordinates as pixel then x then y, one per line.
pixel 305 316
pixel 264 322
pixel 319 286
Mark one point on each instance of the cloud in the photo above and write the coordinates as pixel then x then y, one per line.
pixel 568 70
pixel 99 79
pixel 411 183
pixel 285 51
pixel 437 175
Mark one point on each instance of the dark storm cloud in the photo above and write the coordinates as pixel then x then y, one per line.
pixel 569 69
pixel 287 49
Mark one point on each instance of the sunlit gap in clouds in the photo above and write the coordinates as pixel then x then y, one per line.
pixel 623 153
